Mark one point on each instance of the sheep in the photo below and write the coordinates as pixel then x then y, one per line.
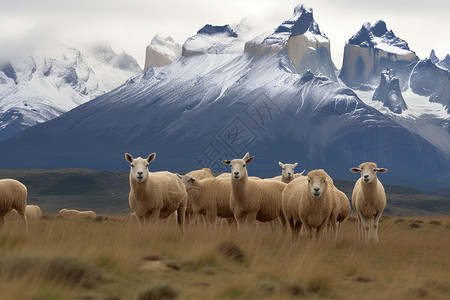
pixel 13 195
pixel 368 200
pixel 210 196
pixel 307 202
pixel 157 194
pixel 73 213
pixel 33 212
pixel 287 173
pixel 252 200
pixel 340 211
pixel 198 174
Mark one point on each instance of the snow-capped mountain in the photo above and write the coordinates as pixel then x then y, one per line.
pixel 307 47
pixel 51 80
pixel 161 51
pixel 389 93
pixel 443 64
pixel 218 104
pixel 374 49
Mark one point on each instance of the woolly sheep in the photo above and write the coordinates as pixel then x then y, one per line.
pixel 157 194
pixel 198 174
pixel 73 213
pixel 287 173
pixel 368 200
pixel 340 211
pixel 308 202
pixel 33 212
pixel 13 195
pixel 210 196
pixel 252 200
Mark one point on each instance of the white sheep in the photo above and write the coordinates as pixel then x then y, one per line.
pixel 13 195
pixel 33 212
pixel 368 200
pixel 307 203
pixel 287 173
pixel 199 175
pixel 252 200
pixel 210 196
pixel 73 213
pixel 340 211
pixel 155 195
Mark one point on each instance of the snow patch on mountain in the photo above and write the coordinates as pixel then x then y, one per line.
pixel 53 79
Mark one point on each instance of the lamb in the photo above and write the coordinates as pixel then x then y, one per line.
pixel 210 196
pixel 287 173
pixel 368 200
pixel 307 202
pixel 198 174
pixel 13 195
pixel 252 200
pixel 157 194
pixel 73 213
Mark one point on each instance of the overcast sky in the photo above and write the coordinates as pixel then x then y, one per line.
pixel 130 25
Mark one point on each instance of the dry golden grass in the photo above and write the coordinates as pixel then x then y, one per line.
pixel 113 258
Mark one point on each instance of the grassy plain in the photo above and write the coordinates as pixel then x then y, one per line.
pixel 113 258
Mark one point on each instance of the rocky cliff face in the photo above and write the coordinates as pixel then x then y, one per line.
pixel 161 51
pixel 300 37
pixel 374 49
pixel 429 80
pixel 388 92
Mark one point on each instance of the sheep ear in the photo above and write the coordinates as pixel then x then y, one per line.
pixel 151 157
pixel 192 178
pixel 128 157
pixel 280 164
pixel 355 170
pixel 227 162
pixel 296 164
pixel 246 156
pixel 179 176
pixel 302 172
pixel 250 160
pixel 381 170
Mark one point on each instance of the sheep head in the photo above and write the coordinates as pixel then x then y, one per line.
pixel 317 182
pixel 239 166
pixel 368 171
pixel 139 166
pixel 288 170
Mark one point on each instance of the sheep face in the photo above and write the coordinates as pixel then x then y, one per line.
pixel 239 166
pixel 187 180
pixel 368 171
pixel 139 166
pixel 288 170
pixel 317 182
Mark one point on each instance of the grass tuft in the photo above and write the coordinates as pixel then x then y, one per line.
pixel 319 284
pixel 159 292
pixel 232 251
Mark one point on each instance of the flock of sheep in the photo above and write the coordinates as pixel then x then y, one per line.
pixel 311 204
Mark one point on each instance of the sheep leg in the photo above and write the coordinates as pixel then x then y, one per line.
pixel 240 219
pixel 360 227
pixel 296 229
pixel 320 229
pixel 365 227
pixel 375 227
pixel 308 230
pixel 250 220
pixel 210 219
pixel 181 214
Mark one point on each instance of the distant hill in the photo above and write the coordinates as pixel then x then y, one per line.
pixel 107 192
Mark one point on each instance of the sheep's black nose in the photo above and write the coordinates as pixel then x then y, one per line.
pixel 366 176
pixel 236 173
pixel 140 173
pixel 289 174
pixel 316 189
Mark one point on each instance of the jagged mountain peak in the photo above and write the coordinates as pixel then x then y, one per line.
pixel 372 36
pixel 209 29
pixel 302 21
